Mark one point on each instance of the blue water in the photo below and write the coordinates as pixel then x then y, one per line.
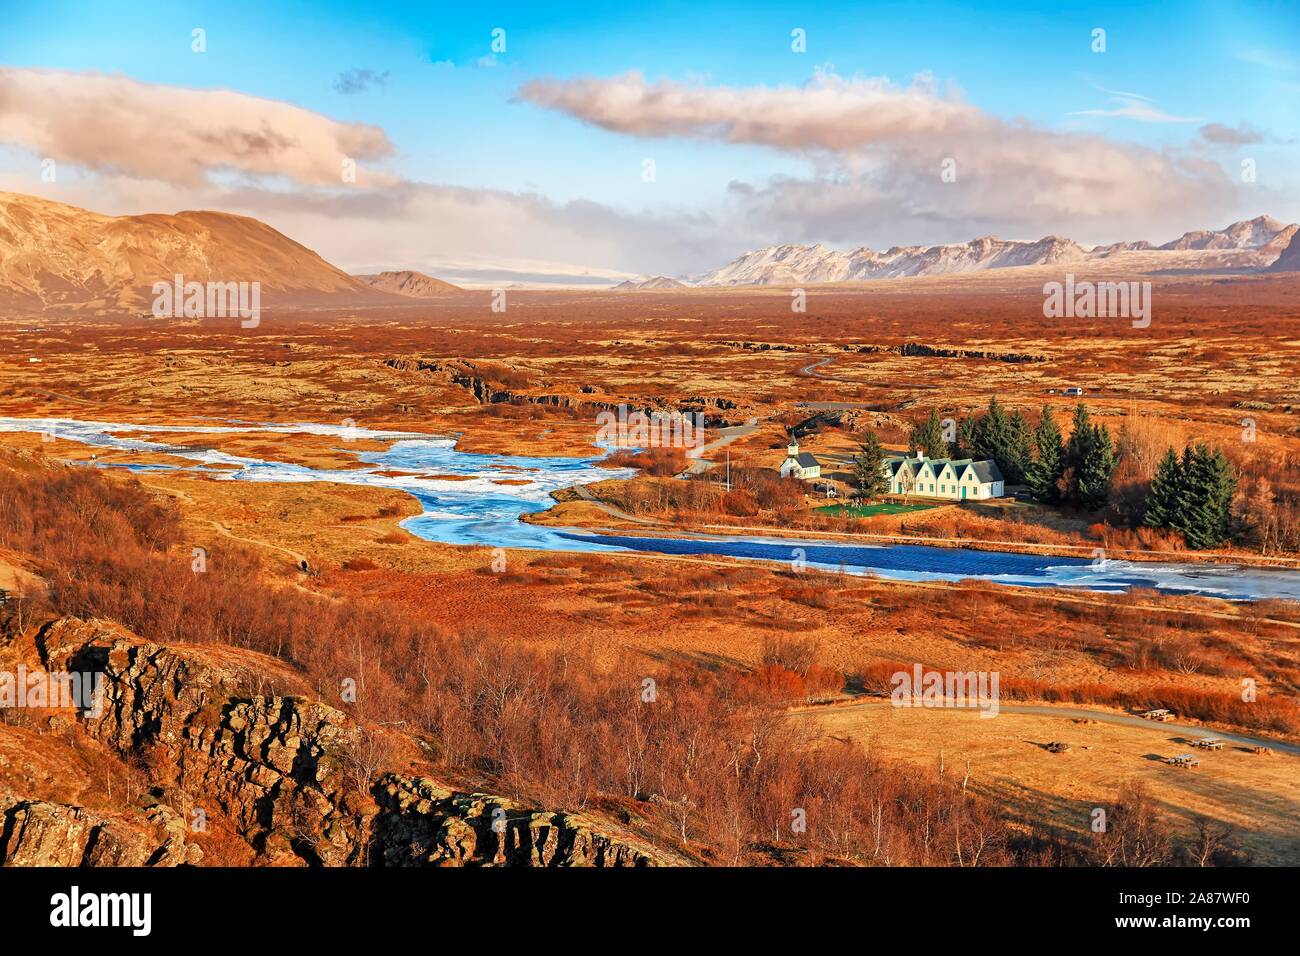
pixel 921 563
pixel 480 511
pixel 902 558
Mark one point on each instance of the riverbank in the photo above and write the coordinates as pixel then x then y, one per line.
pixel 479 500
pixel 592 511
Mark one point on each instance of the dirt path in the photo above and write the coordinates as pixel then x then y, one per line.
pixel 810 371
pixel 582 492
pixel 299 559
pixel 699 464
pixel 1103 716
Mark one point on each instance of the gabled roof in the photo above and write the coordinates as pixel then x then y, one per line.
pixel 985 471
pixel 806 460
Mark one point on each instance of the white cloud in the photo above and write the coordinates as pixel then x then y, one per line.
pixel 113 123
pixel 876 153
pixel 1135 106
pixel 879 150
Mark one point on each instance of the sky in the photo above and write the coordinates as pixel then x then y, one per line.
pixel 577 142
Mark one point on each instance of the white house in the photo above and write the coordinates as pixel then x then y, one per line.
pixel 956 480
pixel 800 464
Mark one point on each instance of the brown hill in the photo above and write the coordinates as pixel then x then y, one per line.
pixel 53 254
pixel 407 282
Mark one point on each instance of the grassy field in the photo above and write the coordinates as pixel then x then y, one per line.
pixel 1007 760
pixel 878 508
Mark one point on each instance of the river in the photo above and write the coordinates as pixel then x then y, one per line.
pixel 472 507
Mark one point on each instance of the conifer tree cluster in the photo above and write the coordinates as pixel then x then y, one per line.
pixel 928 439
pixel 869 478
pixel 1077 472
pixel 1045 473
pixel 1193 494
pixel 1007 439
pixel 1090 461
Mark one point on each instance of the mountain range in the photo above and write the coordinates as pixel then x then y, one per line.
pixel 1253 243
pixel 54 255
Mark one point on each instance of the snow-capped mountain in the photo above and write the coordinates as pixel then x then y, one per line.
pixel 1138 245
pixel 779 265
pixel 1257 233
pixel 649 284
pixel 1254 242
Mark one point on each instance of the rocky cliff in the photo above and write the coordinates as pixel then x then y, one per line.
pixel 294 778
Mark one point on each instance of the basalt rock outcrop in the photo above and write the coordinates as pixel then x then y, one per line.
pixel 906 349
pixel 276 766
pixel 235 735
pixel 40 833
pixel 849 419
pixel 424 824
pixel 466 374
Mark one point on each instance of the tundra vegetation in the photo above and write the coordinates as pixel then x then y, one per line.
pixel 711 755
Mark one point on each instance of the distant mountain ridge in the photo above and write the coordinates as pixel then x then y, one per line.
pixel 1262 232
pixel 407 282
pixel 1256 239
pixel 652 284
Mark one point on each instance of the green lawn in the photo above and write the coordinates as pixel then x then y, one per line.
pixel 879 508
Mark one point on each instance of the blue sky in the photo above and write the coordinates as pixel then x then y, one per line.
pixel 456 120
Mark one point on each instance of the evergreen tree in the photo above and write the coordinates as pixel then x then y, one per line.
pixel 964 445
pixel 1208 488
pixel 1044 474
pixel 1080 445
pixel 1182 511
pixel 1019 452
pixel 1096 470
pixel 1163 500
pixel 992 437
pixel 1090 458
pixel 928 438
pixel 1193 494
pixel 869 476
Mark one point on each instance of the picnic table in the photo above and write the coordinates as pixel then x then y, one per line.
pixel 1159 713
